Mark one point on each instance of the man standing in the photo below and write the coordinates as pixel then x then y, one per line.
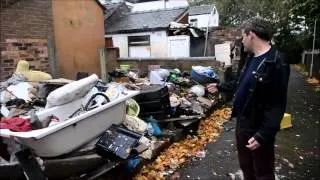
pixel 260 100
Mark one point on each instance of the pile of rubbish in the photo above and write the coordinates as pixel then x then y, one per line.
pixel 166 96
pixel 21 99
pixel 174 94
pixel 33 106
pixel 22 94
pixel 31 101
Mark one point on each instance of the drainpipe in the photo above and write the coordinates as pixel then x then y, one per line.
pixel 314 40
pixel 207 32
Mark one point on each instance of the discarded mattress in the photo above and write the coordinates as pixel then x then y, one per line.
pixel 66 136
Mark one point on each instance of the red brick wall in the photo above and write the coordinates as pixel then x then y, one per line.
pixel 34 51
pixel 24 29
pixel 220 35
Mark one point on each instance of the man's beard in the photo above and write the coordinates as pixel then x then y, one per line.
pixel 246 49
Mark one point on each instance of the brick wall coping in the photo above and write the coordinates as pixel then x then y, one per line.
pixel 209 58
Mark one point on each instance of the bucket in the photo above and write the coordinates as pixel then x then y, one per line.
pixel 133 107
pixel 125 67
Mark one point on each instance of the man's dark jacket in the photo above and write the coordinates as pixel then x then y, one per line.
pixel 264 107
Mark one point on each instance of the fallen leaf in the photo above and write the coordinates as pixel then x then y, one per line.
pixel 313 81
pixel 190 147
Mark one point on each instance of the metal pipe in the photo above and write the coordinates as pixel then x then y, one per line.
pixel 207 32
pixel 313 43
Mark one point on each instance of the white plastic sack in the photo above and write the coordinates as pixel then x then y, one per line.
pixel 197 90
pixel 71 91
pixel 155 78
pixel 135 124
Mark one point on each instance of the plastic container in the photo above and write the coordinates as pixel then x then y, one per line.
pixel 125 67
pixel 133 107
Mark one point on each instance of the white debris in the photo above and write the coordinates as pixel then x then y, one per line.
pixel 300 157
pixel 214 173
pixel 287 161
pixel 201 154
pixel 291 165
pixel 278 168
pixel 236 175
pixel 21 90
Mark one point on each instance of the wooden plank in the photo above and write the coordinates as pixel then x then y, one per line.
pixel 182 118
pixel 53 63
pixel 103 64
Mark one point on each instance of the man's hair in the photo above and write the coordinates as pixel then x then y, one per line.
pixel 262 28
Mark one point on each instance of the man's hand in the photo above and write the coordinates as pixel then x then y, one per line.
pixel 212 88
pixel 252 144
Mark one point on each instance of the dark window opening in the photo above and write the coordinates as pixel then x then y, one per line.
pixel 139 40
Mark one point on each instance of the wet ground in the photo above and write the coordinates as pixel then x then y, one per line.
pixel 297 148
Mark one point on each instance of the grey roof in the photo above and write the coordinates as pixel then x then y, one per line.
pixel 143 21
pixel 111 8
pixel 196 10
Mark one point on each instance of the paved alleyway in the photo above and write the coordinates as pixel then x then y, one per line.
pixel 297 148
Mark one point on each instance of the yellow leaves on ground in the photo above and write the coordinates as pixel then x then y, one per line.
pixel 313 81
pixel 179 152
pixel 316 82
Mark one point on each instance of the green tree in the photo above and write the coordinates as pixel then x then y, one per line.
pixel 293 19
pixel 234 12
pixel 308 10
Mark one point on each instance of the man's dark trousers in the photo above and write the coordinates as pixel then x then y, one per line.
pixel 256 164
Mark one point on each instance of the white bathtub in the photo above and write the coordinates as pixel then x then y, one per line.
pixel 71 134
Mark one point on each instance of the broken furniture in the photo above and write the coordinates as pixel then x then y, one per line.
pixel 154 101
